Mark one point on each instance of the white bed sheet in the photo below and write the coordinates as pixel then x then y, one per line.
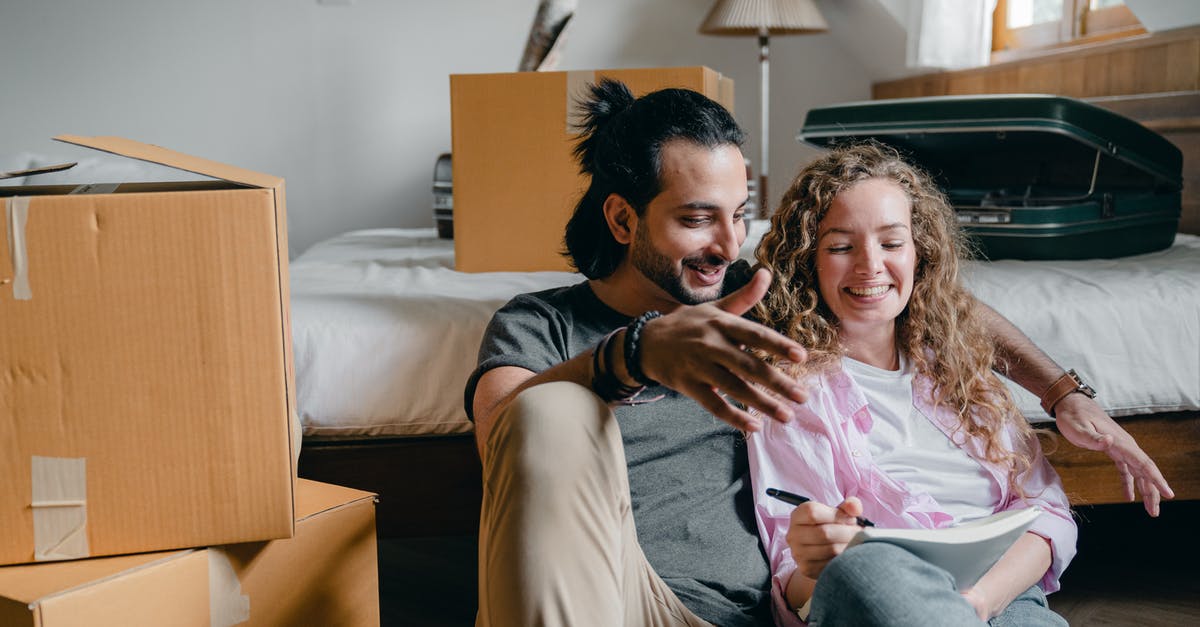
pixel 386 333
pixel 1129 326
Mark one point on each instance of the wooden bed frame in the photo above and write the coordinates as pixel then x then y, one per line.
pixel 427 486
pixel 430 486
pixel 1172 441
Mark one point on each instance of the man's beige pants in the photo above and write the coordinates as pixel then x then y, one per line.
pixel 557 543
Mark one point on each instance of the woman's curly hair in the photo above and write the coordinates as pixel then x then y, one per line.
pixel 939 331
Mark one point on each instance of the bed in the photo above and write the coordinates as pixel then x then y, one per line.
pixel 385 334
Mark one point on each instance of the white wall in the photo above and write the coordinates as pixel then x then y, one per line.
pixel 1158 15
pixel 350 104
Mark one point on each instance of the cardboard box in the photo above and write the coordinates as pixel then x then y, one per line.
pixel 146 385
pixel 515 179
pixel 327 574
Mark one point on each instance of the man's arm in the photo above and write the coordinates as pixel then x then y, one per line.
pixel 698 351
pixel 499 385
pixel 1081 419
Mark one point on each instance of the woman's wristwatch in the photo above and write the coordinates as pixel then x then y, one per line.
pixel 1067 384
pixel 804 610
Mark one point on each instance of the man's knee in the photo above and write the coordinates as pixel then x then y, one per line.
pixel 550 432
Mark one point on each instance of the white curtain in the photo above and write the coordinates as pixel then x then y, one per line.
pixel 949 34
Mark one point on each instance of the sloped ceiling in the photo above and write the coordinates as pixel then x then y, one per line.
pixel 873 32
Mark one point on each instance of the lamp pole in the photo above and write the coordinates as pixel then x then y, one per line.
pixel 761 18
pixel 764 207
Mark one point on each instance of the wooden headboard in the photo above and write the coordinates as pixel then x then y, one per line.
pixel 1153 78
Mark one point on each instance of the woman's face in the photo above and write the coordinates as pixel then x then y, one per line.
pixel 866 257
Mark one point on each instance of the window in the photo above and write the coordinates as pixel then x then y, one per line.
pixel 1019 25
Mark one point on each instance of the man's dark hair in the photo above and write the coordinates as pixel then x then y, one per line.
pixel 621 152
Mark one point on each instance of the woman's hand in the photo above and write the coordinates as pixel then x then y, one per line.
pixel 981 604
pixel 819 533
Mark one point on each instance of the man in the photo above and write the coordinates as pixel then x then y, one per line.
pixel 611 493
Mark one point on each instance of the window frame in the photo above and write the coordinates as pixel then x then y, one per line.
pixel 1079 24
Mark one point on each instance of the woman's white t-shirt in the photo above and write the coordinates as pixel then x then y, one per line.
pixel 911 449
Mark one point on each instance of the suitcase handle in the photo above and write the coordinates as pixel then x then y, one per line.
pixel 1025 199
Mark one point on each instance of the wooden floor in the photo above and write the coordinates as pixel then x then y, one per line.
pixel 427 582
pixel 1131 570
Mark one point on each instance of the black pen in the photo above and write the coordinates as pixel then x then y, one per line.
pixel 796 499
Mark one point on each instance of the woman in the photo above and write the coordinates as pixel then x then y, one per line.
pixel 906 424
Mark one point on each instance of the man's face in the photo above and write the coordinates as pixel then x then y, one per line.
pixel 693 229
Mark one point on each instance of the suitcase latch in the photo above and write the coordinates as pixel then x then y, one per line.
pixel 983 217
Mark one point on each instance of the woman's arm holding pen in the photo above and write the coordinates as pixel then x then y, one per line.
pixel 818 533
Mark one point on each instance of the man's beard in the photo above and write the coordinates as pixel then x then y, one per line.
pixel 662 272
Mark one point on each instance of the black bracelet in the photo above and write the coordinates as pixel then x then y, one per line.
pixel 633 348
pixel 605 384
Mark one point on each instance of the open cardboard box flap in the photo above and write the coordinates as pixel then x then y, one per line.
pixel 58 167
pixel 159 155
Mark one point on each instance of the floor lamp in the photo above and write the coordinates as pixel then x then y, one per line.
pixel 763 18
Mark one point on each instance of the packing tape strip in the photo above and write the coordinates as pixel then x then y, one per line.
pixel 578 83
pixel 227 605
pixel 59 508
pixel 16 212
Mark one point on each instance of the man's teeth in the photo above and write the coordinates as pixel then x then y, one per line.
pixel 868 291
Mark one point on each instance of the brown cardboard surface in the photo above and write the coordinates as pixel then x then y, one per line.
pixel 27 583
pixel 515 180
pixel 325 575
pixel 155 346
pixel 314 497
pixel 166 593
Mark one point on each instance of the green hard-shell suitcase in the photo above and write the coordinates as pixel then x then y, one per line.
pixel 1030 176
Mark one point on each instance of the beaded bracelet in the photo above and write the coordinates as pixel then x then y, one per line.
pixel 605 384
pixel 633 348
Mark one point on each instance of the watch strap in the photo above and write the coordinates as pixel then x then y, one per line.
pixel 1066 384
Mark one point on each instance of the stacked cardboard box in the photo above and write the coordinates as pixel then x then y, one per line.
pixel 146 390
pixel 515 179
pixel 145 376
pixel 325 575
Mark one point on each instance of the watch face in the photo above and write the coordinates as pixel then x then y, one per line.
pixel 1084 388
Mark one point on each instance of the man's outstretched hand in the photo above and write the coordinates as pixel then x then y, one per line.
pixel 1086 425
pixel 702 351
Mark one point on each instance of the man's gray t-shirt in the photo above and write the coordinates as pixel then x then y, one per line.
pixel 688 471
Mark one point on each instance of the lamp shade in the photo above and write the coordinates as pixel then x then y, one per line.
pixel 754 17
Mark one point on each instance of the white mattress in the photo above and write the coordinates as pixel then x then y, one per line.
pixel 1129 326
pixel 386 333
